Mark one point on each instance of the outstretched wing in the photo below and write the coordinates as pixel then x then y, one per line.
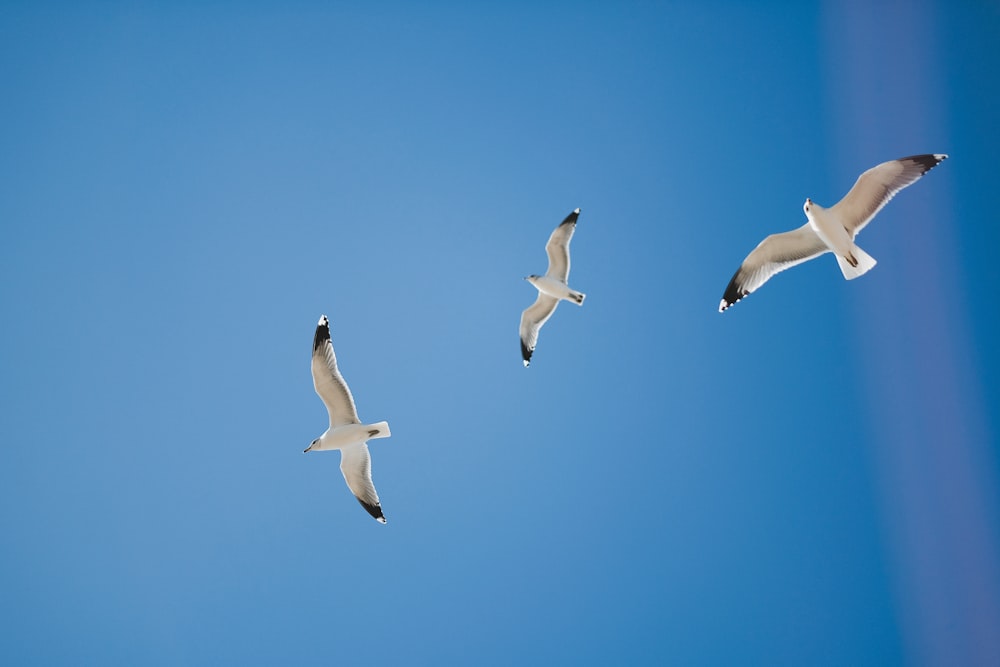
pixel 532 319
pixel 328 381
pixel 558 247
pixel 356 464
pixel 878 185
pixel 773 255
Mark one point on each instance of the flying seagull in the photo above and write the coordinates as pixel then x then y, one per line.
pixel 346 431
pixel 830 229
pixel 551 287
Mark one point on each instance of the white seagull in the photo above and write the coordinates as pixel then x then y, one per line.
pixel 830 229
pixel 551 287
pixel 346 431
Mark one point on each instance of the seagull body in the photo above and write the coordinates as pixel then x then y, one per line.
pixel 346 431
pixel 552 287
pixel 556 289
pixel 830 229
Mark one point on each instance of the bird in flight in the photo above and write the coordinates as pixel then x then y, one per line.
pixel 346 431
pixel 830 229
pixel 552 287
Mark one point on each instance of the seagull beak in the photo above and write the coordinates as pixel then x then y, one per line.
pixel 307 449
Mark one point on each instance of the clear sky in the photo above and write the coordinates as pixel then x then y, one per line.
pixel 811 478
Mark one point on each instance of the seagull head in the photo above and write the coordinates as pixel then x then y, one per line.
pixel 311 445
pixel 808 206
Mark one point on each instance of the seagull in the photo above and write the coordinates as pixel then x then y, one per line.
pixel 551 287
pixel 830 229
pixel 346 431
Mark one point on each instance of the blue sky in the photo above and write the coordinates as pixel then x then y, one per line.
pixel 812 477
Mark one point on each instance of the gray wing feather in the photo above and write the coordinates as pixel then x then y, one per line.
pixel 773 255
pixel 329 383
pixel 356 465
pixel 532 319
pixel 877 186
pixel 558 249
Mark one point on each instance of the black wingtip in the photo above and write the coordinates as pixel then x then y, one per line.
pixel 732 294
pixel 322 332
pixel 374 510
pixel 571 218
pixel 525 354
pixel 927 161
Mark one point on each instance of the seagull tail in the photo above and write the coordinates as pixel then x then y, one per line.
pixel 379 430
pixel 865 263
pixel 577 297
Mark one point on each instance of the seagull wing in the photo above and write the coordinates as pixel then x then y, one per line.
pixel 329 383
pixel 558 247
pixel 356 464
pixel 878 185
pixel 532 319
pixel 774 254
